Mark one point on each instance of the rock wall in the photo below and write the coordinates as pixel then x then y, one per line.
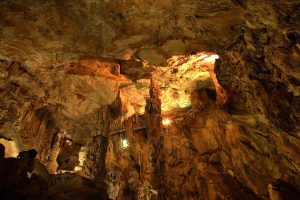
pixel 22 121
pixel 193 145
pixel 261 74
pixel 32 112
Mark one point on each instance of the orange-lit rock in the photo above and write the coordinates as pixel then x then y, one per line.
pixel 222 95
pixel 93 68
pixel 181 77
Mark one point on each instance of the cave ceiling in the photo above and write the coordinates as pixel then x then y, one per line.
pixel 42 33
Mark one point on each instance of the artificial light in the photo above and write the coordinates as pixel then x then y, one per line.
pixel 166 121
pixel 124 143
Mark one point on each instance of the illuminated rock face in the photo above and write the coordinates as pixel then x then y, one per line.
pixel 234 126
pixel 11 149
pixel 182 76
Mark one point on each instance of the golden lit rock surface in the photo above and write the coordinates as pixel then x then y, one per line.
pixel 182 76
pixel 11 149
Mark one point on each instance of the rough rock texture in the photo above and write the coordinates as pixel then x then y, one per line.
pixel 155 139
pixel 192 147
pixel 70 54
pixel 59 31
pixel 180 77
pixel 129 170
pixel 261 73
pixel 136 172
pixel 94 165
pixel 34 109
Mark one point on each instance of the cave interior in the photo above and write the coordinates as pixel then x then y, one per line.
pixel 149 99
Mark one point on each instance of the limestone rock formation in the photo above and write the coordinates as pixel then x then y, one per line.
pixel 261 72
pixel 139 99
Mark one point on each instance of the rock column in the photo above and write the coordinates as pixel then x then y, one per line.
pixel 94 165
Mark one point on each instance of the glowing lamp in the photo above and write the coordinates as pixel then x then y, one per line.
pixel 166 121
pixel 124 143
